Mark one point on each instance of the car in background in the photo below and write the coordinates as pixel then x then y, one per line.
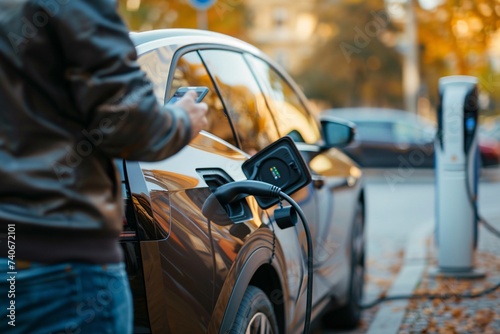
pixel 389 138
pixel 490 126
pixel 489 148
pixel 238 272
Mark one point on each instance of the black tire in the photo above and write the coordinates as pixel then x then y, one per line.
pixel 255 313
pixel 349 315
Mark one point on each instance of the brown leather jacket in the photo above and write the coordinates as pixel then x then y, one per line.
pixel 72 98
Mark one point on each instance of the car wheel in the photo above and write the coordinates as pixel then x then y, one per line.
pixel 349 315
pixel 255 314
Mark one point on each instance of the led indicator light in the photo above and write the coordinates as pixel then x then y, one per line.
pixel 470 124
pixel 275 172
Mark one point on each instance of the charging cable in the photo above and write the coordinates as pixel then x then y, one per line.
pixel 431 296
pixel 473 201
pixel 234 191
pixel 309 259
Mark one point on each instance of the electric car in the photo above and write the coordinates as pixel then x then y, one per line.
pixel 238 272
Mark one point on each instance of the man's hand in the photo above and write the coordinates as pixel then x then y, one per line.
pixel 197 112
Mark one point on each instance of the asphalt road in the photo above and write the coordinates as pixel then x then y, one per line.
pixel 398 203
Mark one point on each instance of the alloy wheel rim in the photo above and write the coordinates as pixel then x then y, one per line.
pixel 259 324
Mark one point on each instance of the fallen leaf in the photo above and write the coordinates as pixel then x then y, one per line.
pixel 457 312
pixel 436 302
pixel 446 330
pixel 483 317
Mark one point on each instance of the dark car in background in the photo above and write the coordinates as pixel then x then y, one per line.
pixel 490 126
pixel 489 132
pixel 388 138
pixel 191 274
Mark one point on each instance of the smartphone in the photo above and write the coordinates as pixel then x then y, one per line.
pixel 200 92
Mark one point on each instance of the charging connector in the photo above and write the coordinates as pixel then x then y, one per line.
pixel 233 191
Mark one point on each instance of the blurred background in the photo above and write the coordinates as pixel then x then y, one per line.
pixel 351 53
pixel 359 59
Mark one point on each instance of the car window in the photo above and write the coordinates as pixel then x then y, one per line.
pixel 290 114
pixel 374 131
pixel 190 71
pixel 243 99
pixel 428 133
pixel 406 133
pixel 412 133
pixel 156 64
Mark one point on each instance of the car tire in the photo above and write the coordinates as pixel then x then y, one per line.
pixel 348 316
pixel 255 314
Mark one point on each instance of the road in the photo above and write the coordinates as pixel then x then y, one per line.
pixel 398 203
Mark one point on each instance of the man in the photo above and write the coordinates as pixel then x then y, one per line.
pixel 72 98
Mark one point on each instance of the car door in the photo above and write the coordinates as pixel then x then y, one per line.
pixel 181 261
pixel 331 171
pixel 235 239
pixel 255 128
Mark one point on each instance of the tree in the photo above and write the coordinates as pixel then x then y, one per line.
pixel 354 64
pixel 456 38
pixel 225 16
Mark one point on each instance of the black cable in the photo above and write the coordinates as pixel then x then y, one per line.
pixel 473 201
pixel 307 320
pixel 430 296
pixel 490 228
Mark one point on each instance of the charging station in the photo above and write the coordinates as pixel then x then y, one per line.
pixel 457 174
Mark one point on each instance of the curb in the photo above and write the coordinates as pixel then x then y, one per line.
pixel 390 315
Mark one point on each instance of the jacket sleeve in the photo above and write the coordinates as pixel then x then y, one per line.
pixel 112 94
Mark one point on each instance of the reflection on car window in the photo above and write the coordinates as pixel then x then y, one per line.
pixel 243 99
pixel 291 116
pixel 374 131
pixel 190 71
pixel 156 64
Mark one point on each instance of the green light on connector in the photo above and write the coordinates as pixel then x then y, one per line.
pixel 275 172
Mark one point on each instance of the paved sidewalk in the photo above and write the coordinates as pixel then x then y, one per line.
pixel 391 315
pixel 449 316
pixel 401 251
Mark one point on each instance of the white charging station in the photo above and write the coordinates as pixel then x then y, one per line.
pixel 457 171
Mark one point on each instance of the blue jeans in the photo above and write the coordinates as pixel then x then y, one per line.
pixel 65 298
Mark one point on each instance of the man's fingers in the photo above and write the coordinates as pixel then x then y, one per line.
pixel 203 106
pixel 197 111
pixel 191 94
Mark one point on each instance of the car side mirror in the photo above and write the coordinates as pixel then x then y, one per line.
pixel 337 132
